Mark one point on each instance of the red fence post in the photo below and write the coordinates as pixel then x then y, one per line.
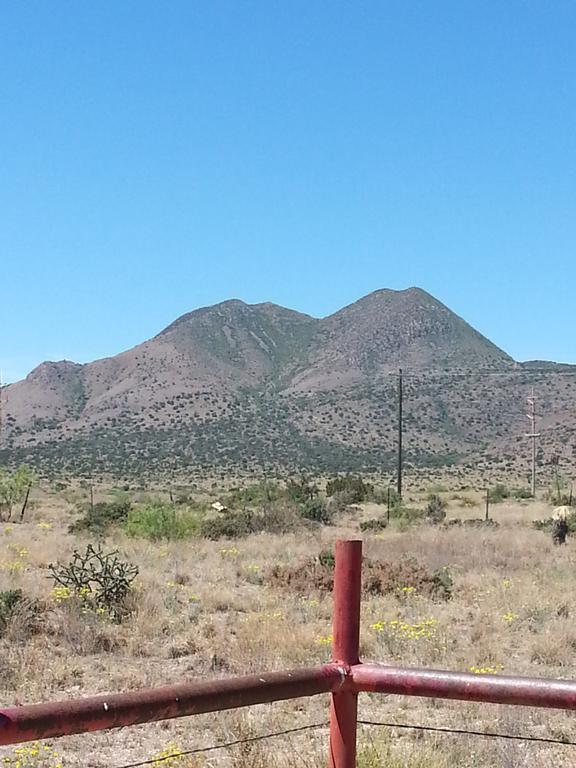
pixel 346 634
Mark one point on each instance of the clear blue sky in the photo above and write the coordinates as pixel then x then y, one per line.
pixel 160 156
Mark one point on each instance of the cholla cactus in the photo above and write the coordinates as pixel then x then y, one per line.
pixel 100 579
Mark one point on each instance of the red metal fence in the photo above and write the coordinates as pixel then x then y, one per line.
pixel 344 678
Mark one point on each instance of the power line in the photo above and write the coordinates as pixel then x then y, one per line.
pixel 482 372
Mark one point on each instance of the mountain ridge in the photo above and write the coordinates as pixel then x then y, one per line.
pixel 236 384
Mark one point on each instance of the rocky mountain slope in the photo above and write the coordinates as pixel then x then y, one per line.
pixel 243 387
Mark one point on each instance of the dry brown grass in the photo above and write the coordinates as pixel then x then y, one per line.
pixel 204 609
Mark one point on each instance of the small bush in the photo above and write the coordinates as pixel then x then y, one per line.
pixel 380 578
pixel 157 521
pixel 375 524
pixel 472 522
pixel 101 580
pixel 384 496
pixel 230 525
pixel 317 510
pixel 311 574
pixel 339 502
pixel 253 495
pixel 355 488
pixel 436 509
pixel 302 490
pixel 499 493
pixel 547 524
pixel 407 515
pixel 279 517
pixel 521 493
pixel 101 516
pixel 326 558
pixel 10 600
pixel 15 605
pixel 392 577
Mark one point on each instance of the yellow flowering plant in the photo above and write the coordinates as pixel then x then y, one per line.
pixel 172 757
pixel 33 755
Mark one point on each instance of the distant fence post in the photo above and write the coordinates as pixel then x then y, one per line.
pixel 487 504
pixel 345 649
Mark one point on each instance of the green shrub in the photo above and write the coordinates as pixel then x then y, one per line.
pixel 14 603
pixel 158 520
pixel 317 511
pixel 547 524
pixel 355 488
pixel 254 495
pixel 230 525
pixel 10 599
pixel 339 502
pixel 521 493
pixel 302 490
pixel 443 583
pixel 280 516
pixel 407 515
pixel 385 495
pixel 326 558
pixel 103 515
pixel 375 524
pixel 14 490
pixel 499 493
pixel 435 509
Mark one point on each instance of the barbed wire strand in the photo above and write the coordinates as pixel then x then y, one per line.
pixel 373 723
pixel 467 732
pixel 225 745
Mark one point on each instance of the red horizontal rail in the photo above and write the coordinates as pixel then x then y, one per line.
pixel 495 689
pixel 95 713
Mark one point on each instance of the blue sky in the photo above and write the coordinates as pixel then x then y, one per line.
pixel 156 157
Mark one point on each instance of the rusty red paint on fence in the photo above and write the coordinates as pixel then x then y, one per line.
pixel 345 678
pixel 96 713
pixel 495 689
pixel 345 646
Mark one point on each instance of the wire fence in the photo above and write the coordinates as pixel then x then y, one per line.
pixel 369 723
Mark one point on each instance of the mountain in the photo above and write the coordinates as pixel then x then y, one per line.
pixel 390 329
pixel 238 387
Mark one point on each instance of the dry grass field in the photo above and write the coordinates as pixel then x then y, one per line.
pixel 205 608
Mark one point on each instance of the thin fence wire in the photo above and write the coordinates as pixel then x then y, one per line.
pixel 225 745
pixel 371 723
pixel 469 732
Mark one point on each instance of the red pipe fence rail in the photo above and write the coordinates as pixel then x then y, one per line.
pixel 344 678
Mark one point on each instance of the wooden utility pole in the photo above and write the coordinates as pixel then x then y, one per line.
pixel 533 435
pixel 400 416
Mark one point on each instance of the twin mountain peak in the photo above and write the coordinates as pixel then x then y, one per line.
pixel 230 373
